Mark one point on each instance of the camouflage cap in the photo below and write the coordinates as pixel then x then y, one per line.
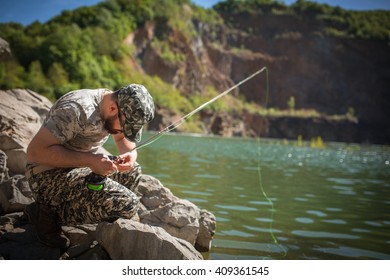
pixel 137 107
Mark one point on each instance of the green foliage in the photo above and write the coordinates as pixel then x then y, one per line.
pixel 84 48
pixel 336 21
pixel 317 143
pixel 164 94
pixel 299 141
pixel 12 75
pixel 164 50
pixel 208 16
pixel 249 6
pixel 291 103
pixel 35 78
pixel 210 92
pixel 59 79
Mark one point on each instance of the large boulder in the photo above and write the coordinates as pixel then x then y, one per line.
pixel 21 115
pixel 131 240
pixel 179 217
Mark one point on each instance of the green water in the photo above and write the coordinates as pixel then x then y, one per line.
pixel 331 203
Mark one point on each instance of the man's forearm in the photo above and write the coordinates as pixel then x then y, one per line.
pixel 124 145
pixel 45 149
pixel 59 156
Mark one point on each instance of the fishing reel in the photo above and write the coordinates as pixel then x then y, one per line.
pixel 96 182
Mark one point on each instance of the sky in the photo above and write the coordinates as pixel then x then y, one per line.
pixel 28 11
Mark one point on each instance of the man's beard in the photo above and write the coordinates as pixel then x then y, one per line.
pixel 109 125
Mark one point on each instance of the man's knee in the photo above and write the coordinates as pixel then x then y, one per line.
pixel 122 204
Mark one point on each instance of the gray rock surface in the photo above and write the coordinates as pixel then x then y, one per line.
pixel 21 115
pixel 5 51
pixel 127 239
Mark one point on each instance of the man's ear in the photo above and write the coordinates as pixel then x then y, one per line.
pixel 112 108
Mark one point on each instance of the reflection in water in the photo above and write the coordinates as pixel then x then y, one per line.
pixel 329 203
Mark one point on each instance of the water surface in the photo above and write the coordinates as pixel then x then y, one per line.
pixel 331 203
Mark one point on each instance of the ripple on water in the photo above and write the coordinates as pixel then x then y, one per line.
pixel 208 176
pixel 304 220
pixel 350 252
pixel 332 209
pixel 236 207
pixel 237 233
pixel 303 199
pixel 198 193
pixel 250 246
pixel 255 202
pixel 196 200
pixel 220 219
pixel 361 230
pixel 316 213
pixel 344 190
pixel 335 221
pixel 264 220
pixel 266 230
pixel 374 224
pixel 341 181
pixel 323 234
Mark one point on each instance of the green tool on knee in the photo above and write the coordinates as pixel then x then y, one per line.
pixel 95 182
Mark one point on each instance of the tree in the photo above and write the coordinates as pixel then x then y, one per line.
pixel 36 80
pixel 57 75
pixel 291 103
pixel 11 75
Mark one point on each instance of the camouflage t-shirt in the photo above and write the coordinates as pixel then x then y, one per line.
pixel 76 122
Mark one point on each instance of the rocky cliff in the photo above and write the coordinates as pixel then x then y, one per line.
pixel 332 75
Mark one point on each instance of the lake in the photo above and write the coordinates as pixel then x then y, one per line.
pixel 276 199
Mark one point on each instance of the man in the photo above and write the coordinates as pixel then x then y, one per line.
pixel 65 151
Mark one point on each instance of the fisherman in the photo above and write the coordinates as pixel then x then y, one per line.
pixel 64 153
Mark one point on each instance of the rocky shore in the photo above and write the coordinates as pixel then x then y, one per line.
pixel 165 227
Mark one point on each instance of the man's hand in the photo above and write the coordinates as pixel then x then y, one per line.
pixel 126 161
pixel 103 165
pixel 128 153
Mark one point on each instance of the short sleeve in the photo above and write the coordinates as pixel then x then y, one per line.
pixel 64 122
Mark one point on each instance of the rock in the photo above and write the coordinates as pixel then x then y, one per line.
pixel 21 116
pixel 179 217
pixel 18 240
pixel 86 251
pixel 5 51
pixel 207 226
pixel 3 167
pixel 154 194
pixel 15 194
pixel 126 239
pixel 80 234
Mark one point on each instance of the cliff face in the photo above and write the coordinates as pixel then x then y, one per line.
pixel 326 73
pixel 332 75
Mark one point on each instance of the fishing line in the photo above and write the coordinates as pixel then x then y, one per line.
pixel 260 178
pixel 182 120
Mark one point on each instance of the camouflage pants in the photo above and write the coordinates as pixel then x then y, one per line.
pixel 65 191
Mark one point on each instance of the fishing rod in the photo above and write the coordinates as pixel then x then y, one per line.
pixel 183 119
pixel 179 122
